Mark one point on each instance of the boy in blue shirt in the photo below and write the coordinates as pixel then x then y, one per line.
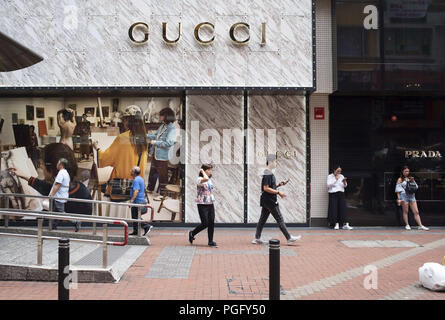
pixel 137 195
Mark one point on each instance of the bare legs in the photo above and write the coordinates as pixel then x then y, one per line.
pixel 414 209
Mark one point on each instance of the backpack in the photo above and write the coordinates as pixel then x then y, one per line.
pixel 411 187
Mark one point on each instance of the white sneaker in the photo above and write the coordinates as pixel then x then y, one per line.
pixel 347 227
pixel 407 227
pixel 257 241
pixel 423 228
pixel 293 239
pixel 336 226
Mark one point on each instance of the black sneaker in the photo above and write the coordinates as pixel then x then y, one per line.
pixel 213 244
pixel 191 238
pixel 134 233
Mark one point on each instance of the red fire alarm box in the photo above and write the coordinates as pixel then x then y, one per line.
pixel 319 113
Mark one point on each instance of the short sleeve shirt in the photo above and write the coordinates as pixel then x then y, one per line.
pixel 204 192
pixel 64 179
pixel 268 200
pixel 138 184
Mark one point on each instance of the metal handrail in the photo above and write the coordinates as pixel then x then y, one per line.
pixel 83 201
pixel 40 237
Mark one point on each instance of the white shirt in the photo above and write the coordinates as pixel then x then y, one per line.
pixel 64 179
pixel 336 185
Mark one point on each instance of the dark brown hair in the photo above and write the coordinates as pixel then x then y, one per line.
pixel 138 134
pixel 169 115
pixel 53 152
pixel 401 171
pixel 205 167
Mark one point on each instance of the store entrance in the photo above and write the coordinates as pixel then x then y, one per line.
pixel 371 138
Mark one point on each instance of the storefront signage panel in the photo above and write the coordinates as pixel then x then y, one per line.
pixel 175 43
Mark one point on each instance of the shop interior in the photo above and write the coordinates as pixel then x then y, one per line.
pixel 87 119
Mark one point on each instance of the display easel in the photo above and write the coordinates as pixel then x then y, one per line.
pixel 100 176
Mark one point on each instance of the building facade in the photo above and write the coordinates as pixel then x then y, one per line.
pixel 237 74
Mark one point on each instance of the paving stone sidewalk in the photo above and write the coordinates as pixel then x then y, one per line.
pixel 324 264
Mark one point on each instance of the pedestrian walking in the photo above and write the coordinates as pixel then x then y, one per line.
pixel 337 214
pixel 60 188
pixel 406 188
pixel 269 202
pixel 137 195
pixel 205 201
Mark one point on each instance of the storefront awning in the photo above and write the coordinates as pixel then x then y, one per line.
pixel 14 56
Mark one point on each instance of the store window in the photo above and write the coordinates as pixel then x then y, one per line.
pixel 373 137
pixel 404 50
pixel 37 132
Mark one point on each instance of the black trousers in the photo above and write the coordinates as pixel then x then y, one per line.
pixel 337 208
pixel 207 216
pixel 276 213
pixel 134 215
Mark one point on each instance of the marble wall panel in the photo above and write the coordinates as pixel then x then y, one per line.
pixel 216 113
pixel 99 29
pixel 286 116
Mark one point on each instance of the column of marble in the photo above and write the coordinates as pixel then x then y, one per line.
pixel 210 118
pixel 283 119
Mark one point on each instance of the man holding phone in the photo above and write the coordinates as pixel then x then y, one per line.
pixel 269 202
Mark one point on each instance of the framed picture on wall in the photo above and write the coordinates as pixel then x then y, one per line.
pixel 105 112
pixel 89 111
pixel 51 123
pixel 40 112
pixel 15 118
pixel 29 112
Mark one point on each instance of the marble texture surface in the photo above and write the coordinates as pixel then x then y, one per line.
pixel 213 115
pixel 283 119
pixel 86 43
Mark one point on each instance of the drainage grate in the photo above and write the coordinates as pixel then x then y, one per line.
pixel 172 262
pixel 95 257
pixel 250 286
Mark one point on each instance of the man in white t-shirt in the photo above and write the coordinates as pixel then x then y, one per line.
pixel 60 187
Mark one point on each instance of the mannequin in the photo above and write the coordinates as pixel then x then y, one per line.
pixel 67 123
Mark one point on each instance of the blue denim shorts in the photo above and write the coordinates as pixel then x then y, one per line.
pixel 407 197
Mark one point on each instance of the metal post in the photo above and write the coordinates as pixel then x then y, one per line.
pixel 39 241
pixel 104 248
pixel 94 223
pixel 274 269
pixel 139 222
pixel 64 263
pixel 50 225
pixel 6 216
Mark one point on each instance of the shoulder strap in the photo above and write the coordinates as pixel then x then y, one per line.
pixel 139 161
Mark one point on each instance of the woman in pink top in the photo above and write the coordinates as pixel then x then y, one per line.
pixel 205 200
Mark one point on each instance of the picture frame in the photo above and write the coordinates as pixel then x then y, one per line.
pixel 89 111
pixel 40 113
pixel 29 112
pixel 51 123
pixel 15 118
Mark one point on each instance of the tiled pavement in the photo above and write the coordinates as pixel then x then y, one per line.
pixel 324 264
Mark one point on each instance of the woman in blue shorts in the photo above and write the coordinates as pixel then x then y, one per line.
pixel 407 199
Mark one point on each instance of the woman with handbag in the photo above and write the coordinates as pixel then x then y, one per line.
pixel 129 149
pixel 406 189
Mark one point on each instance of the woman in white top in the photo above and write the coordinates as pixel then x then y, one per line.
pixel 336 183
pixel 406 199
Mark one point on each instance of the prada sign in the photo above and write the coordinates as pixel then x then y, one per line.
pixel 231 33
pixel 422 154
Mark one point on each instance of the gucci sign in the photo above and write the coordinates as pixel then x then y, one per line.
pixel 146 31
